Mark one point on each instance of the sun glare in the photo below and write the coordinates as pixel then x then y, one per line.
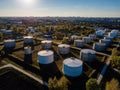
pixel 27 2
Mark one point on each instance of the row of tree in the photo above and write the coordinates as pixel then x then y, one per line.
pixel 91 84
pixel 115 59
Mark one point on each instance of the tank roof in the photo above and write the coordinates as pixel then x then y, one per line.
pixel 88 51
pixel 105 39
pixel 28 36
pixel 9 40
pixel 86 37
pixel 100 44
pixel 63 45
pixel 109 37
pixel 45 52
pixel 79 40
pixel 72 62
pixel 27 47
pixel 46 41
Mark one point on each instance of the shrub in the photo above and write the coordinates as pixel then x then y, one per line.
pixel 55 84
pixel 112 85
pixel 91 84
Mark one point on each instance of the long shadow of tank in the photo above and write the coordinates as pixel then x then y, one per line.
pixel 50 71
pixel 8 50
pixel 67 55
pixel 77 83
pixel 28 59
pixel 29 44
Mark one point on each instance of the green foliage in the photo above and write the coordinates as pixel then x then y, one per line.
pixel 115 52
pixel 1 36
pixel 64 40
pixel 112 85
pixel 91 84
pixel 55 84
pixel 115 59
pixel 2 53
pixel 59 35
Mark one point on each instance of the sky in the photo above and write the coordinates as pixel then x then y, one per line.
pixel 82 8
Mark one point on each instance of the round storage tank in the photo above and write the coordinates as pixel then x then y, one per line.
pixel 45 57
pixel 27 55
pixel 110 34
pixel 9 43
pixel 99 33
pixel 74 36
pixel 27 50
pixel 87 55
pixel 46 44
pixel 110 38
pixel 64 48
pixel 79 43
pixel 48 36
pixel 107 42
pixel 113 33
pixel 92 37
pixel 86 39
pixel 72 67
pixel 28 39
pixel 99 46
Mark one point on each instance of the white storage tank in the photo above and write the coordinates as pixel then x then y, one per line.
pixel 92 36
pixel 72 67
pixel 110 38
pixel 87 55
pixel 10 43
pixel 99 46
pixel 107 42
pixel 28 55
pixel 46 44
pixel 45 57
pixel 79 43
pixel 113 33
pixel 74 36
pixel 86 39
pixel 27 50
pixel 28 39
pixel 110 34
pixel 64 48
pixel 99 33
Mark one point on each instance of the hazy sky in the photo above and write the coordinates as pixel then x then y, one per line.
pixel 83 8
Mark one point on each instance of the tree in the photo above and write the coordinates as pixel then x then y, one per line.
pixel 112 85
pixel 2 53
pixel 115 58
pixel 91 84
pixel 55 84
pixel 59 35
pixel 1 36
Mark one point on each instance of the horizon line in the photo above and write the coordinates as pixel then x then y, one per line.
pixel 69 16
